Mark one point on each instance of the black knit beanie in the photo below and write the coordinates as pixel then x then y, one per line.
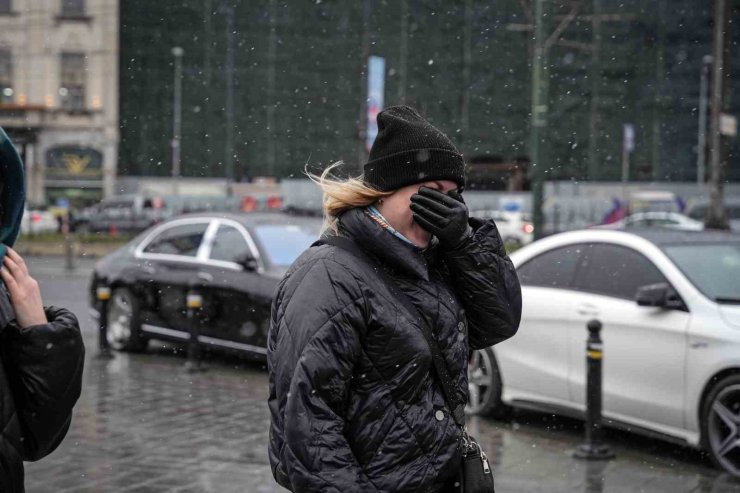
pixel 408 150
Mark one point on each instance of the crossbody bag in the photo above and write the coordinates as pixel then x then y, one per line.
pixel 475 470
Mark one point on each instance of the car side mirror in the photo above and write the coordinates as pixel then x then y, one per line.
pixel 659 295
pixel 247 261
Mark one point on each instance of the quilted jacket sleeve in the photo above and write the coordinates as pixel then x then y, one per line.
pixel 317 324
pixel 44 366
pixel 486 282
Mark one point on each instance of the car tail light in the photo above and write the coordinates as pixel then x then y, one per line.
pixel 527 228
pixel 35 217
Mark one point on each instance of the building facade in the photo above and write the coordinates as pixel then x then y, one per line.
pixel 269 85
pixel 59 95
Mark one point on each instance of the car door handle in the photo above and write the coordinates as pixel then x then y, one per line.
pixel 588 310
pixel 205 277
pixel 588 313
pixel 148 270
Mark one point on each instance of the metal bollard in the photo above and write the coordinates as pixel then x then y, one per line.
pixel 593 448
pixel 69 254
pixel 102 295
pixel 194 306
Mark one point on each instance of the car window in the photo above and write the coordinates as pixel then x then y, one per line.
pixel 616 271
pixel 713 268
pixel 552 269
pixel 664 222
pixel 229 244
pixel 698 212
pixel 282 243
pixel 178 240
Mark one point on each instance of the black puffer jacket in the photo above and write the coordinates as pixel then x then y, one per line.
pixel 352 397
pixel 40 381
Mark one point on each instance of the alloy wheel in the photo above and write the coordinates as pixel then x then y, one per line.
pixel 480 383
pixel 120 319
pixel 723 428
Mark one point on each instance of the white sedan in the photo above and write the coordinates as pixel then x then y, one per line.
pixel 656 219
pixel 515 227
pixel 669 302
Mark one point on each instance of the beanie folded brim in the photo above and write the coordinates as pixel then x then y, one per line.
pixel 415 166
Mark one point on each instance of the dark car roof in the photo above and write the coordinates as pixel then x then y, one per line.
pixel 251 219
pixel 663 237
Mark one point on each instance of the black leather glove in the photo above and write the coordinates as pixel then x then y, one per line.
pixel 444 216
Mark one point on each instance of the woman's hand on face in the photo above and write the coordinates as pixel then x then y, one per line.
pixel 445 216
pixel 25 295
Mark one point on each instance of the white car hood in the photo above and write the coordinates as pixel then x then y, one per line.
pixel 731 314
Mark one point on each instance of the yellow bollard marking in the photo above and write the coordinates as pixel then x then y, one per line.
pixel 103 293
pixel 194 301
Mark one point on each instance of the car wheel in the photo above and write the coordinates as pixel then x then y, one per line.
pixel 124 329
pixel 484 385
pixel 721 424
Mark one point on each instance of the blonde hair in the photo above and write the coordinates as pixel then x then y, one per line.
pixel 342 194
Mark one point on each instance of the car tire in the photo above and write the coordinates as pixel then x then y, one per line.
pixel 124 326
pixel 720 424
pixel 485 385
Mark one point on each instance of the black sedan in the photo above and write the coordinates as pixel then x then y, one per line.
pixel 236 260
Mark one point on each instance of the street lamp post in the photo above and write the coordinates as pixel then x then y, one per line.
pixel 229 74
pixel 177 52
pixel 701 147
pixel 716 217
pixel 540 79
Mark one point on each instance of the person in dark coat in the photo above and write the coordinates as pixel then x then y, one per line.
pixel 354 401
pixel 41 350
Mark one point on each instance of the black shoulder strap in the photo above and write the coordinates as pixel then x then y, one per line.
pixel 458 409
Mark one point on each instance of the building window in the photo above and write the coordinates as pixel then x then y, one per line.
pixel 6 76
pixel 74 76
pixel 5 6
pixel 72 8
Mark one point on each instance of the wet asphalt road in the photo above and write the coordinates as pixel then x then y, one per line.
pixel 145 425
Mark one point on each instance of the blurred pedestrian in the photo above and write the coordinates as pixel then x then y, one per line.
pixel 355 400
pixel 41 350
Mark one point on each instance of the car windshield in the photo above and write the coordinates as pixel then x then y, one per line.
pixel 713 268
pixel 283 243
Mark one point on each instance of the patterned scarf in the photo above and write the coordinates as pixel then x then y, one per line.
pixel 376 216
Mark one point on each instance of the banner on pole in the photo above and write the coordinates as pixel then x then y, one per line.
pixel 628 137
pixel 727 125
pixel 375 93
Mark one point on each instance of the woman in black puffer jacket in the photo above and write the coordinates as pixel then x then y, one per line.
pixel 354 400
